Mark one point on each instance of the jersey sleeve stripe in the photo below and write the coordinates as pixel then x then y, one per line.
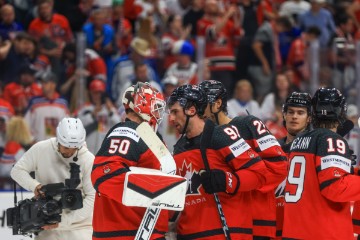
pixel 328 183
pixel 99 165
pixel 275 159
pixel 318 169
pixel 123 233
pixel 356 222
pixel 213 233
pixel 109 176
pixel 257 222
pixel 250 163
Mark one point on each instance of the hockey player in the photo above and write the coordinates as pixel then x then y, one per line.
pixel 234 168
pixel 297 118
pixel 260 139
pixel 320 185
pixel 122 148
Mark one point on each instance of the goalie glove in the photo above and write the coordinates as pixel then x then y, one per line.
pixel 216 180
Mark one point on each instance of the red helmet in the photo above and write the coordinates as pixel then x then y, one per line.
pixel 149 104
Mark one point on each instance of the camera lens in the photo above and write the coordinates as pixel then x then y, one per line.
pixel 51 207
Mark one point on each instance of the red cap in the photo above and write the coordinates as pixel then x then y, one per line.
pixel 97 85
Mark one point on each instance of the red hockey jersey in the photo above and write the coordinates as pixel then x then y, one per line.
pixel 228 152
pixel 121 149
pixel 319 187
pixel 263 202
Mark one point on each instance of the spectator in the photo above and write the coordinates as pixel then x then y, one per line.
pixel 123 72
pixel 343 56
pixel 174 32
pixel 18 140
pixel 8 26
pixel 14 55
pixel 243 103
pixel 353 137
pixel 100 35
pixel 6 112
pixel 245 55
pixel 221 33
pixel 275 124
pixel 45 112
pixel 183 69
pixel 141 75
pixel 122 27
pixel 74 11
pixel 293 9
pixel 353 10
pixel 98 115
pixel 268 59
pixel 265 12
pixel 192 16
pixel 53 32
pixel 275 99
pixel 94 68
pixel 320 17
pixel 19 93
pixel 297 60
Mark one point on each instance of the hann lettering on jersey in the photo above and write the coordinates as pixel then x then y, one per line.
pixel 300 143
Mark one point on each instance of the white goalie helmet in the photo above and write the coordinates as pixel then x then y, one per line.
pixel 71 133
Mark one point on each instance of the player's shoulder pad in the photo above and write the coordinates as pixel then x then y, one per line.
pixel 250 127
pixel 224 136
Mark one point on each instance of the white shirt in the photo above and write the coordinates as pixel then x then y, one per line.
pixel 268 106
pixel 236 109
pixel 290 8
pixel 51 167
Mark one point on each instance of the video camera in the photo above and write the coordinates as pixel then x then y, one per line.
pixel 30 215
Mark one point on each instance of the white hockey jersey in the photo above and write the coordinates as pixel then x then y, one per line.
pixel 43 116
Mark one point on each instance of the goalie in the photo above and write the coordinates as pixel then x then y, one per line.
pixel 122 149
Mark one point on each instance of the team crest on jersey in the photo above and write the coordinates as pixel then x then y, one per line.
pixel 251 153
pixel 106 169
pixel 192 177
pixel 336 173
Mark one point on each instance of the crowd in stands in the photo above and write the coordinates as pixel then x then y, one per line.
pixel 259 49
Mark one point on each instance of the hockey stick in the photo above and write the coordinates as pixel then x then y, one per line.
pixel 204 144
pixel 168 165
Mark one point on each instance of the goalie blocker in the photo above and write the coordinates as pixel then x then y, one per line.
pixel 152 188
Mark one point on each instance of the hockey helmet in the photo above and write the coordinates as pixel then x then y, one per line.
pixel 329 104
pixel 70 133
pixel 214 90
pixel 296 99
pixel 187 96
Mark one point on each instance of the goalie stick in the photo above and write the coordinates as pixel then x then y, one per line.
pixel 204 144
pixel 168 166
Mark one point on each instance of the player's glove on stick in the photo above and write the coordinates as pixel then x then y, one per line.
pixel 216 180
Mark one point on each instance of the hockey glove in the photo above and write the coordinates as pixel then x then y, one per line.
pixel 216 180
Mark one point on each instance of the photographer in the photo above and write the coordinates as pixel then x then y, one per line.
pixel 50 159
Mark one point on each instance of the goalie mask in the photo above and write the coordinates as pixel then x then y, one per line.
pixel 148 103
pixel 329 104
